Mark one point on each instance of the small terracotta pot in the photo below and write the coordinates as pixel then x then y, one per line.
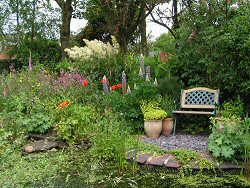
pixel 153 128
pixel 167 126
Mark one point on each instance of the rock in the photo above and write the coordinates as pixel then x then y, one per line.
pixel 53 150
pixel 143 158
pixel 28 149
pixel 40 145
pixel 158 161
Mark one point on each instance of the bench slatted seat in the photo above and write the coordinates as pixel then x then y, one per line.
pixel 199 100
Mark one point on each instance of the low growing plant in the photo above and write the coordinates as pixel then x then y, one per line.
pixel 152 111
pixel 73 121
pixel 227 140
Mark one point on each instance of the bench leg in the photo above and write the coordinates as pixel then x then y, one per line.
pixel 175 122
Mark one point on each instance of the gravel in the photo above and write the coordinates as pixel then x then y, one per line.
pixel 193 142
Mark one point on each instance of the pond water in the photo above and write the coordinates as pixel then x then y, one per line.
pixel 86 172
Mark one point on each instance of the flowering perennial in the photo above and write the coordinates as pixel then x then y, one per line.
pixel 30 62
pixel 105 85
pixel 64 104
pixel 124 82
pixel 93 48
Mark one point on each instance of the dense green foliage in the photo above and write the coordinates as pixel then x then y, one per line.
pixel 213 50
pixel 228 138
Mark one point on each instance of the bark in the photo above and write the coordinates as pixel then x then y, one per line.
pixel 67 11
pixel 144 44
pixel 3 39
pixel 175 16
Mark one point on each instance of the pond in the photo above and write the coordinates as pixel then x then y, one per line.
pixel 76 168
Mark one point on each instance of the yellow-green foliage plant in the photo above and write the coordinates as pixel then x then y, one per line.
pixel 152 111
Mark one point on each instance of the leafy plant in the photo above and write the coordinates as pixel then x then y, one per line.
pixel 227 139
pixel 233 109
pixel 74 122
pixel 152 111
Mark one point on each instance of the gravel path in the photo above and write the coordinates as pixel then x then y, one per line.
pixel 193 142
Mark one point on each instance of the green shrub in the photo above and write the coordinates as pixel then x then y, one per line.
pixel 213 50
pixel 74 122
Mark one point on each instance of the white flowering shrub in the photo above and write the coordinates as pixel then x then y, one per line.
pixel 93 48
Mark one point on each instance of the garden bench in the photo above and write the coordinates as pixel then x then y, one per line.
pixel 199 100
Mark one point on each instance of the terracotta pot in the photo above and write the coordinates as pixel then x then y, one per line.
pixel 167 126
pixel 153 128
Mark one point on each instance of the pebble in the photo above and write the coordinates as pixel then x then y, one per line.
pixel 184 141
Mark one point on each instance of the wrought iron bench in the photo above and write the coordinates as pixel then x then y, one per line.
pixel 199 100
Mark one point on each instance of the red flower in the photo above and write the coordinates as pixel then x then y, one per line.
pixel 64 104
pixel 85 82
pixel 104 81
pixel 119 86
pixel 113 87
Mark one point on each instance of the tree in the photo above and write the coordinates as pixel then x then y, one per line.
pixel 67 10
pixel 122 17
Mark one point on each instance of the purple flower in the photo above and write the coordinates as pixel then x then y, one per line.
pixel 142 67
pixel 30 62
pixel 105 85
pixel 124 82
pixel 148 76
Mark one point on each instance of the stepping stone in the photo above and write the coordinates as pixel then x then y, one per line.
pixel 194 165
pixel 210 159
pixel 143 158
pixel 229 165
pixel 172 163
pixel 158 161
pixel 40 145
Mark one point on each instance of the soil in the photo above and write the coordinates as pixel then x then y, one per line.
pixel 181 140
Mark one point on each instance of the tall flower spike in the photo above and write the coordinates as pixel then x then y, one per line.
pixel 105 85
pixel 142 66
pixel 140 73
pixel 124 82
pixel 135 86
pixel 148 76
pixel 155 82
pixel 128 90
pixel 30 62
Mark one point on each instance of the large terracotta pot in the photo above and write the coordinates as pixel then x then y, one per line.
pixel 153 128
pixel 167 126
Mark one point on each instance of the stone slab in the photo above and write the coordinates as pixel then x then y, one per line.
pixel 143 158
pixel 229 165
pixel 172 163
pixel 158 161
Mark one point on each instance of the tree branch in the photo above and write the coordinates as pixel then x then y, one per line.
pixel 60 3
pixel 162 24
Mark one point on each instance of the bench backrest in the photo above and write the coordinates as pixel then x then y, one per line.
pixel 200 97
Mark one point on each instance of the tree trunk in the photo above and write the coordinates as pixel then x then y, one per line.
pixel 67 11
pixel 143 32
pixel 65 28
pixel 175 16
pixel 4 41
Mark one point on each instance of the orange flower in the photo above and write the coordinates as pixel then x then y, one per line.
pixel 165 55
pixel 119 86
pixel 85 82
pixel 113 87
pixel 64 104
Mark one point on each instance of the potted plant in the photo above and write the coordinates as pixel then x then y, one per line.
pixel 168 122
pixel 153 116
pixel 169 87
